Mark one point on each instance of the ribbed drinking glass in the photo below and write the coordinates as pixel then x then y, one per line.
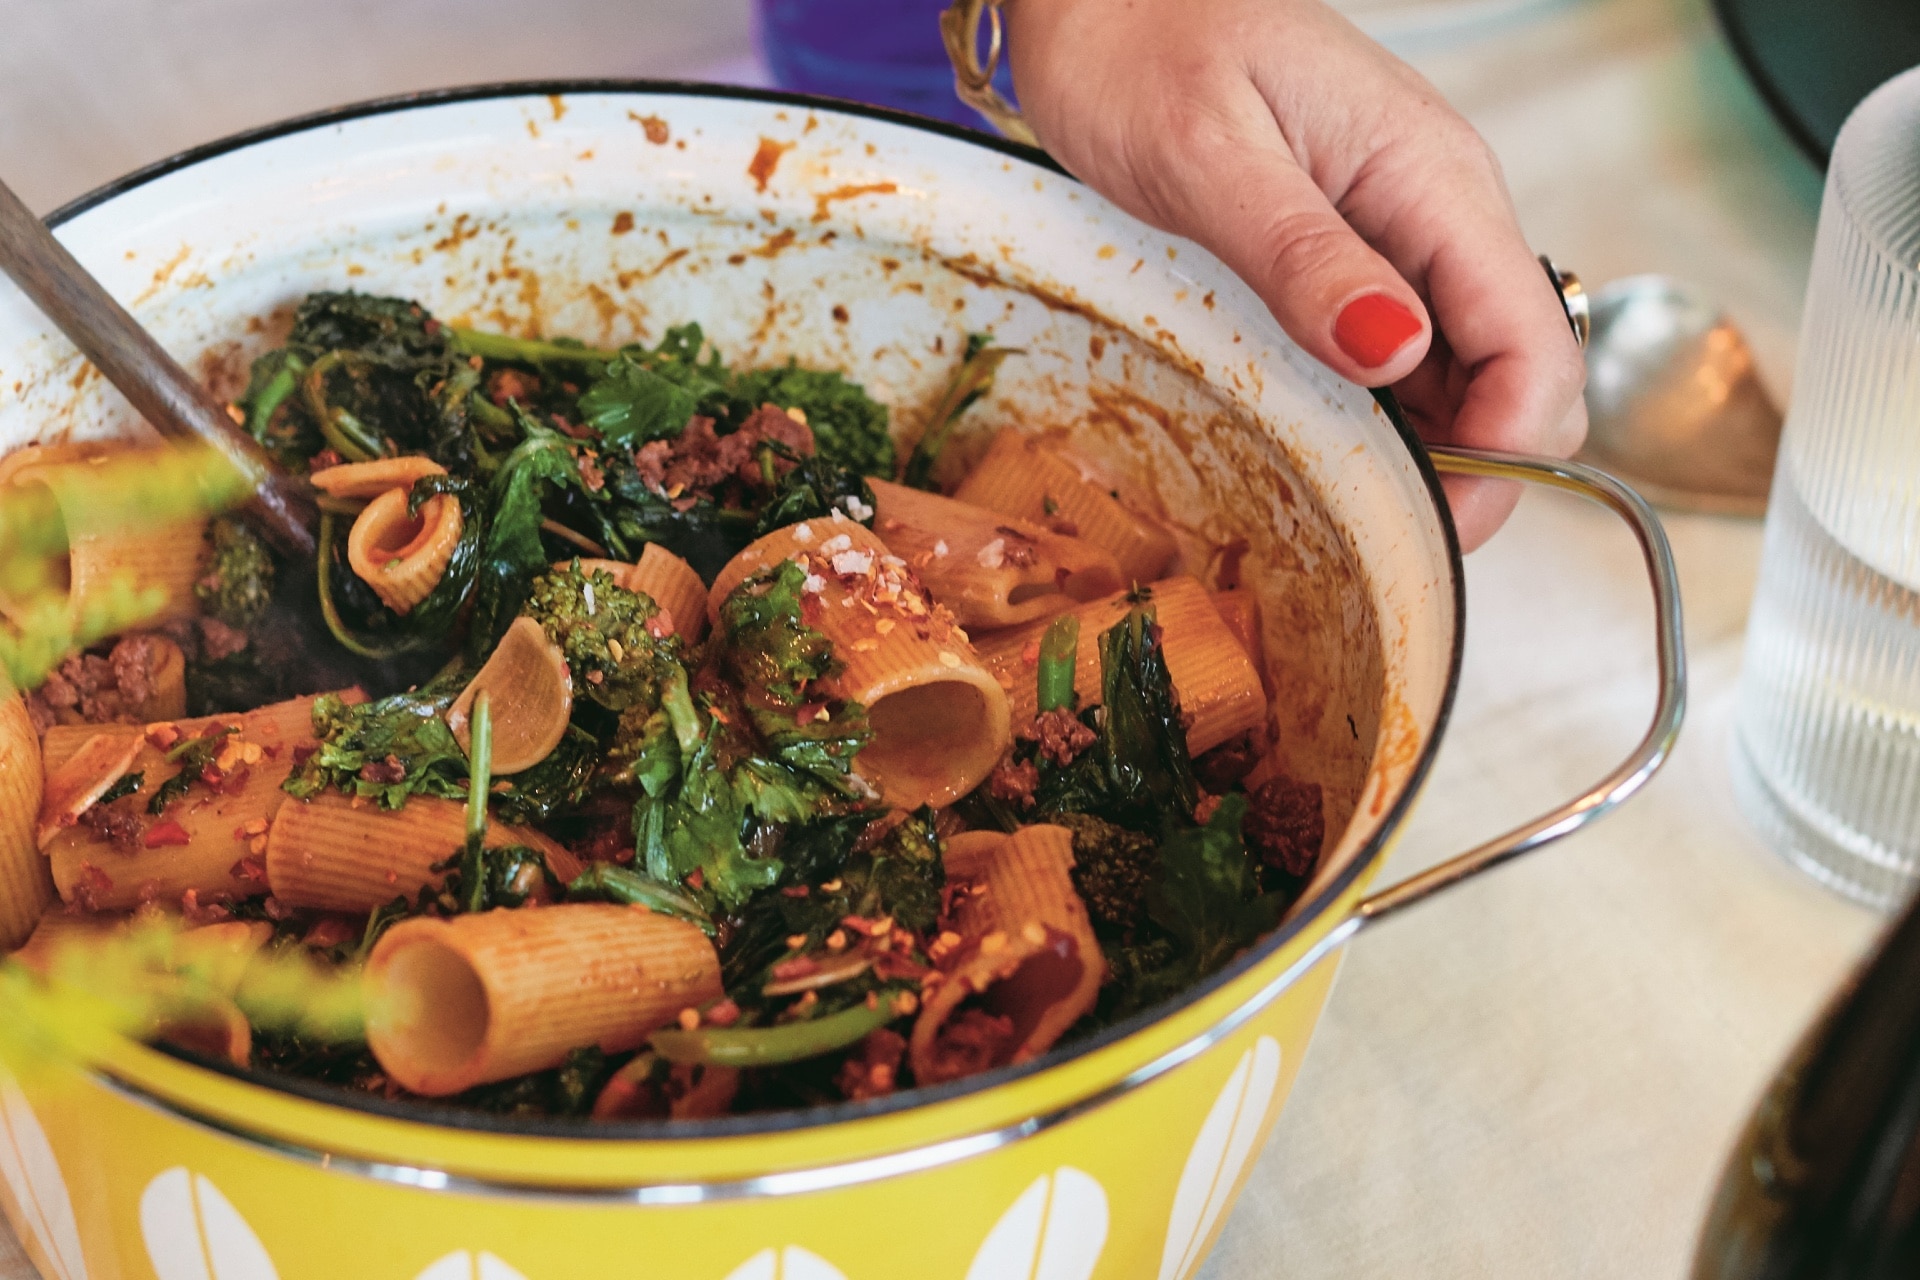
pixel 1827 734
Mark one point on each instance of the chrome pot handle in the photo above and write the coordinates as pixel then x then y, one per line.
pixel 1654 748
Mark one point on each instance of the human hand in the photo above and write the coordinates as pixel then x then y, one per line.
pixel 1338 184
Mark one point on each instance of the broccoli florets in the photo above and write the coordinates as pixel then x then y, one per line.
pixel 602 630
pixel 849 426
pixel 1112 868
pixel 237 585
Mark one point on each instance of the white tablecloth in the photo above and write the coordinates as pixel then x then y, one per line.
pixel 1538 1076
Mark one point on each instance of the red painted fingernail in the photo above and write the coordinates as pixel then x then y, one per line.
pixel 1372 327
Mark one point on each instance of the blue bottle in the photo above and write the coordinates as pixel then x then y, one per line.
pixel 885 52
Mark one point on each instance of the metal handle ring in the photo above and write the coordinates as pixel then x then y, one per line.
pixel 1669 710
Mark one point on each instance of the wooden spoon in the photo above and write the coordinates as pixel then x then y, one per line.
pixel 166 395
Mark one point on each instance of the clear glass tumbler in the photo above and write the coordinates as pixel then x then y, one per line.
pixel 1827 734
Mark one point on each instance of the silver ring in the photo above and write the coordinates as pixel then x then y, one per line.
pixel 1573 300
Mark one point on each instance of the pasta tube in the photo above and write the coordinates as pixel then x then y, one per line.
pixel 461 1002
pixel 991 569
pixel 402 556
pixel 940 720
pixel 333 853
pixel 102 561
pixel 664 578
pixel 1241 612
pixel 371 479
pixel 531 694
pixel 26 886
pixel 1217 683
pixel 206 840
pixel 1022 477
pixel 673 585
pixel 1027 956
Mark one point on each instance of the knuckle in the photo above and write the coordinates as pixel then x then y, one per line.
pixel 1302 244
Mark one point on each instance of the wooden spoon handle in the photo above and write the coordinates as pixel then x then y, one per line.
pixel 161 391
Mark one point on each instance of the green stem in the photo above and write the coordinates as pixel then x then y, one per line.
pixel 498 346
pixel 340 429
pixel 772 1046
pixel 1059 655
pixel 274 394
pixel 604 882
pixel 331 611
pixel 479 768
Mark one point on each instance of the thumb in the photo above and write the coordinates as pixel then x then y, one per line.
pixel 1251 205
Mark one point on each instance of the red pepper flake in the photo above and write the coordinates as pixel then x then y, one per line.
pixel 249 871
pixel 859 924
pixel 236 782
pixel 697 880
pixel 162 834
pixel 798 967
pixel 723 1014
pixel 163 735
pixel 276 910
pixel 796 891
pixel 196 912
pixel 303 752
pixel 324 459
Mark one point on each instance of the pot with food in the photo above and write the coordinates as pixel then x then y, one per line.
pixel 845 682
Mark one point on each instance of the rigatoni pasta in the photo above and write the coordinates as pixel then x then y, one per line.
pixel 732 816
pixel 1026 960
pixel 26 885
pixel 456 1003
pixel 1022 477
pixel 940 721
pixel 207 841
pixel 332 853
pixel 991 569
pixel 1217 684
pixel 103 561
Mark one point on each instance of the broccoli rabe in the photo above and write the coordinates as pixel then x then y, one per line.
pixel 1112 868
pixel 849 427
pixel 237 584
pixel 387 749
pixel 603 631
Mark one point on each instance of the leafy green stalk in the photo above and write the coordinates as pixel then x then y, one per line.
pixel 605 882
pixel 479 768
pixel 772 1046
pixel 1059 652
pixel 535 351
pixel 971 382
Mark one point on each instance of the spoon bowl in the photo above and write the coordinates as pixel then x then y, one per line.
pixel 1674 402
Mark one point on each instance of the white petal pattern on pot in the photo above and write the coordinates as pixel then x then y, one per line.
pixel 790 1263
pixel 1220 1155
pixel 466 1265
pixel 1054 1231
pixel 194 1233
pixel 33 1176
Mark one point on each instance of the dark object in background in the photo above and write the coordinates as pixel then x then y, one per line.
pixel 1814 60
pixel 1825 1181
pixel 884 52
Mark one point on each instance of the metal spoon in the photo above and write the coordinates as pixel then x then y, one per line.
pixel 162 392
pixel 1674 404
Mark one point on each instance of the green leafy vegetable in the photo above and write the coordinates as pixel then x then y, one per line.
pixel 1138 770
pixel 194 756
pixel 1059 652
pixel 1208 896
pixel 128 785
pixel 605 882
pixel 771 1046
pixel 849 427
pixel 971 382
pixel 602 630
pixel 557 786
pixel 813 490
pixel 388 749
pixel 512 555
pixel 237 584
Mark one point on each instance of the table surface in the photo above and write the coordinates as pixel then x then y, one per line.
pixel 1540 1074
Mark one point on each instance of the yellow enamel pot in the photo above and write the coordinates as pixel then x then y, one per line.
pixel 874 243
